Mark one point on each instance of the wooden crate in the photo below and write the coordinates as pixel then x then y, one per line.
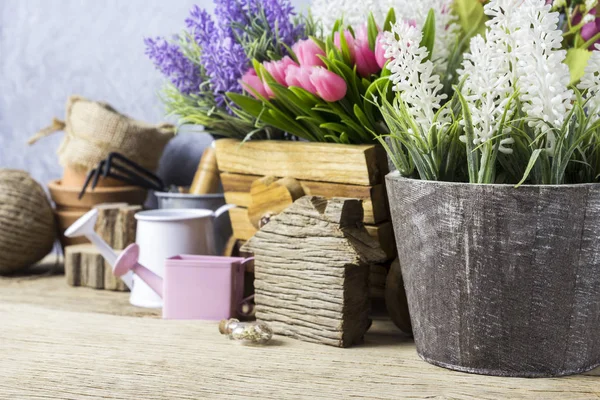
pixel 320 169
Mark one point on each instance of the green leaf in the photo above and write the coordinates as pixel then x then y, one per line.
pixel 470 15
pixel 333 126
pixel 472 159
pixel 246 103
pixel 345 49
pixel 429 33
pixel 577 60
pixel 372 31
pixel 390 19
pixel 534 156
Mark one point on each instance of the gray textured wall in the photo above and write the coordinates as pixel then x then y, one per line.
pixel 50 49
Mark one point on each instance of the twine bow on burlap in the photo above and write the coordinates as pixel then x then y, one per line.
pixel 57 125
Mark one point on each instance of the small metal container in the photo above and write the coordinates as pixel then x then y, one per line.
pixel 168 200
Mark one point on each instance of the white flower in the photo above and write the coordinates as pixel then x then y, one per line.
pixel 413 77
pixel 487 90
pixel 521 54
pixel 355 13
pixel 446 28
pixel 589 4
pixel 591 83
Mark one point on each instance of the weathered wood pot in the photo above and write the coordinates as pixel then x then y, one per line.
pixel 501 281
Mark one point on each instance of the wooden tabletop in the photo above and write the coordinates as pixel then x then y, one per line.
pixel 60 342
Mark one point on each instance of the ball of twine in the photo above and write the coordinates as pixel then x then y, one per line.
pixel 28 225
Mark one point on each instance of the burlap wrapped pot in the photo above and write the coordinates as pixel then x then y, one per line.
pixel 94 129
pixel 28 226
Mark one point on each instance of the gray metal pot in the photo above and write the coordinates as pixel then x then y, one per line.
pixel 205 201
pixel 501 281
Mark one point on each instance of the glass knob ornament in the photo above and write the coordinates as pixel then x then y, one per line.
pixel 246 332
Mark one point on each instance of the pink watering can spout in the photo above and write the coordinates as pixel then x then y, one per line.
pixel 128 261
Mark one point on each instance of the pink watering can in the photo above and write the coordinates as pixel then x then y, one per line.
pixel 194 287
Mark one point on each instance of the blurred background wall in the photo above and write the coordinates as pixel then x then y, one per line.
pixel 50 49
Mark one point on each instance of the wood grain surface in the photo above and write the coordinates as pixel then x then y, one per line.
pixel 312 265
pixel 237 191
pixel 326 162
pixel 62 342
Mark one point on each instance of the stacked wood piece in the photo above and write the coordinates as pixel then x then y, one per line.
pixel 255 173
pixel 85 266
pixel 312 265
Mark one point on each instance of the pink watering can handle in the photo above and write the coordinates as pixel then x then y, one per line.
pixel 128 261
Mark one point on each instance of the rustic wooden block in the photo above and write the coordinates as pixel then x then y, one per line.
pixel 84 266
pixel 237 191
pixel 312 269
pixel 107 217
pixel 94 266
pixel 395 299
pixel 384 232
pixel 377 276
pixel 326 162
pixel 72 266
pixel 125 226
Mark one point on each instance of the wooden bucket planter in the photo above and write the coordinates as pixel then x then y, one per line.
pixel 501 281
pixel 252 172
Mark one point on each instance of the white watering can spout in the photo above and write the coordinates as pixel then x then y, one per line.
pixel 84 226
pixel 223 209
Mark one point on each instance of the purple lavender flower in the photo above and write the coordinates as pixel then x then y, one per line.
pixel 201 26
pixel 240 24
pixel 224 60
pixel 279 15
pixel 169 59
pixel 230 13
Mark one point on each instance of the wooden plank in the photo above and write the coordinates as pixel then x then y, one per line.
pixel 237 191
pixel 326 162
pixel 242 228
pixel 386 367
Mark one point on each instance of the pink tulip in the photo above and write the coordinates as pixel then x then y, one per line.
pixel 252 83
pixel 277 70
pixel 300 76
pixel 329 86
pixel 308 52
pixel 590 30
pixel 380 51
pixel 366 63
pixel 349 41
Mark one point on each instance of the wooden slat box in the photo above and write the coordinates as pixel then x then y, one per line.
pixel 321 169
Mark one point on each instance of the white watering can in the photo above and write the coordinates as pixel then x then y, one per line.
pixel 160 234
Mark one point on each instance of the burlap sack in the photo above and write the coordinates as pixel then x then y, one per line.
pixel 94 129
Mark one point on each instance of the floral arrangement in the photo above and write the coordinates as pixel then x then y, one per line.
pixel 209 58
pixel 512 118
pixel 323 91
pixel 319 92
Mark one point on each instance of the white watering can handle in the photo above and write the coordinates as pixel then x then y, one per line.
pixel 223 209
